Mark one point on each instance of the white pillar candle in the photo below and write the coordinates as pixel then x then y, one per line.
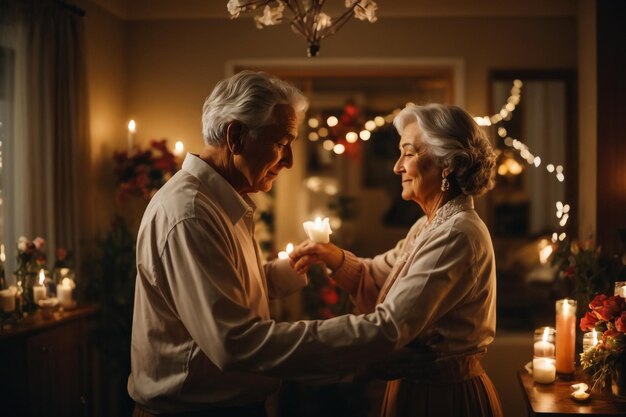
pixel 39 291
pixel 64 292
pixel 7 299
pixel 319 230
pixel 544 370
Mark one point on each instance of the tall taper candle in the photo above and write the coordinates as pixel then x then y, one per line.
pixel 565 337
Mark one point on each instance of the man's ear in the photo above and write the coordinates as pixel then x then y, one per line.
pixel 234 136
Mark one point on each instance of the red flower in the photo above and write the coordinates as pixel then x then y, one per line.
pixel 588 322
pixel 326 313
pixel 39 243
pixel 611 307
pixel 61 254
pixel 329 295
pixel 620 322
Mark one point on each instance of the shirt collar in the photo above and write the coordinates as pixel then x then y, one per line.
pixel 456 205
pixel 234 204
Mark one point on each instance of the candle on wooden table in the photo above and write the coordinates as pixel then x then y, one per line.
pixel 39 291
pixel 319 230
pixel 544 371
pixel 565 337
pixel 7 299
pixel 64 292
pixel 590 339
pixel 544 344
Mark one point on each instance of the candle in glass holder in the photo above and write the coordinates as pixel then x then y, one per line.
pixel 319 230
pixel 565 337
pixel 590 339
pixel 544 342
pixel 620 289
pixel 64 292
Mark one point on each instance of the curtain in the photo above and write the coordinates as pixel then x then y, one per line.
pixel 50 135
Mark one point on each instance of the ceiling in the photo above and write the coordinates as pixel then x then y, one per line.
pixel 216 9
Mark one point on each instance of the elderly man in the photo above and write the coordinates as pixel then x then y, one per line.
pixel 203 342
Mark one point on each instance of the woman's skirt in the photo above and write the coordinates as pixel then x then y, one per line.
pixel 451 387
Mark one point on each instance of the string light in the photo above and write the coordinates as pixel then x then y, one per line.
pixel 509 166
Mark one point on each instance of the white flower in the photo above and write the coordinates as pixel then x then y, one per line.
pixel 271 16
pixel 322 21
pixel 22 243
pixel 234 8
pixel 237 6
pixel 366 10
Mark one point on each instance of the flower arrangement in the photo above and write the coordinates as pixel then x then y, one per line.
pixel 142 172
pixel 322 298
pixel 607 316
pixel 583 270
pixel 30 255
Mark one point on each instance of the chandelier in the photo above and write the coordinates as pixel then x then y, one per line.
pixel 306 16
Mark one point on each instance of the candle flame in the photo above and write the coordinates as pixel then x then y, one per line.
pixel 318 222
pixel 132 126
pixel 42 277
pixel 179 148
pixel 546 332
pixel 289 248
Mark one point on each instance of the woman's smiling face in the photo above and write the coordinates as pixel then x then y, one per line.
pixel 421 178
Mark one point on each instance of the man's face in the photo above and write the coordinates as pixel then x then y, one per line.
pixel 263 157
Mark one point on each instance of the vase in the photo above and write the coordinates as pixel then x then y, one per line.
pixel 618 380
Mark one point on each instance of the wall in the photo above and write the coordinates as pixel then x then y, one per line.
pixel 107 74
pixel 173 64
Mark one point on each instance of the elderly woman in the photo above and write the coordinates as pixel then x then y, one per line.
pixel 439 282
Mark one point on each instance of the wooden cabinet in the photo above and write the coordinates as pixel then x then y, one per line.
pixel 45 365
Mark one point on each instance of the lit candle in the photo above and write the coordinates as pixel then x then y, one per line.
pixel 319 230
pixel 39 291
pixel 64 292
pixel 545 250
pixel 579 391
pixel 179 148
pixel 565 336
pixel 132 127
pixel 590 339
pixel 544 371
pixel 284 254
pixel 7 299
pixel 620 289
pixel 544 347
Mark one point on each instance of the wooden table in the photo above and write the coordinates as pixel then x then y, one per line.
pixel 47 365
pixel 554 400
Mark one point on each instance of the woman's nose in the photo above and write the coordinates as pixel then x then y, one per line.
pixel 398 168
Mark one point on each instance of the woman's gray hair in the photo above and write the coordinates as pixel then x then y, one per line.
pixel 248 97
pixel 455 142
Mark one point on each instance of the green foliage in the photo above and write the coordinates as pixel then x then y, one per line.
pixel 113 287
